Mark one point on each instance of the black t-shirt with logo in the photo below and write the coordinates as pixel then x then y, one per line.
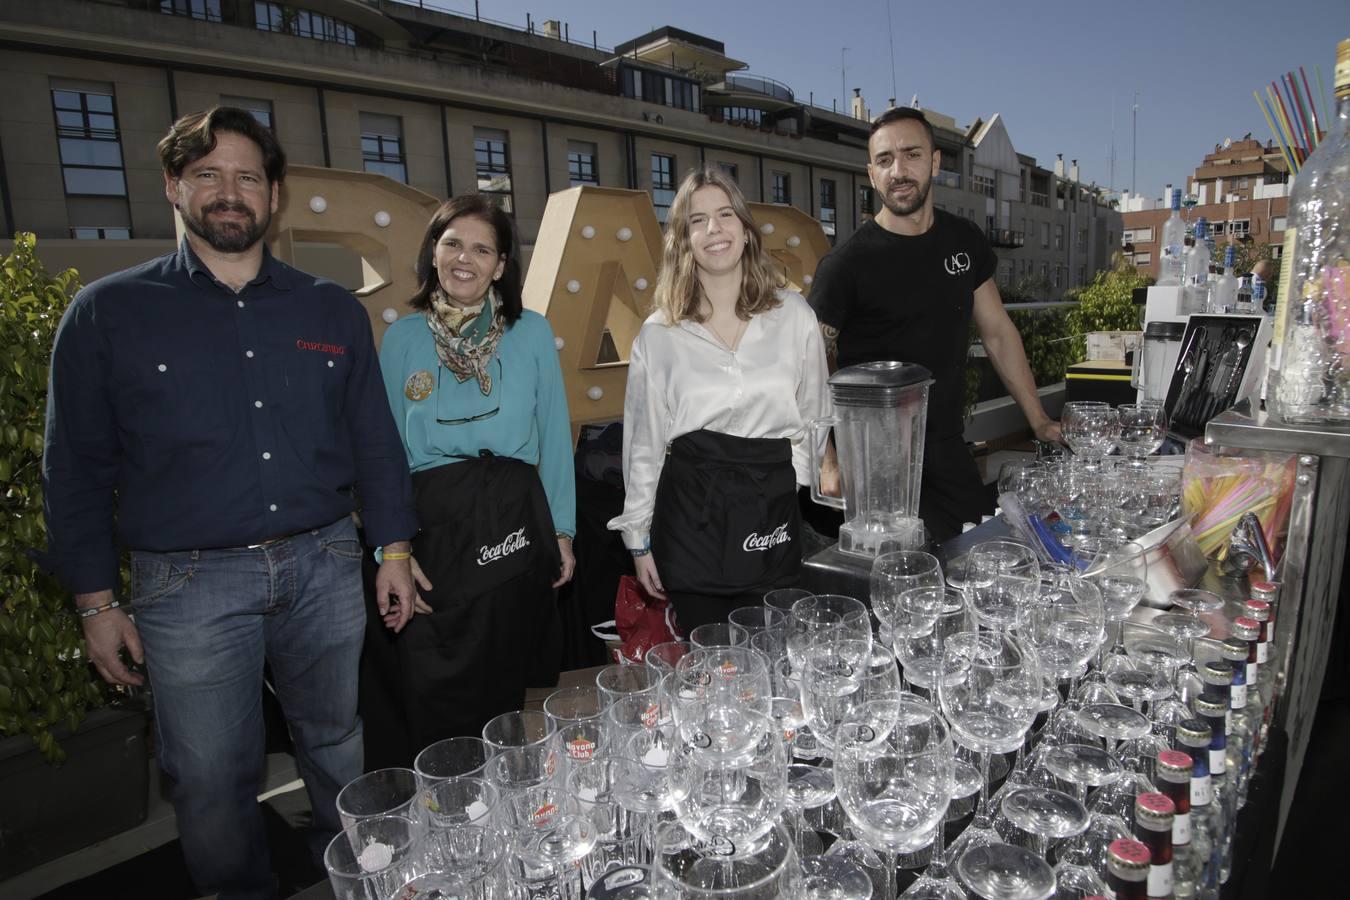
pixel 908 298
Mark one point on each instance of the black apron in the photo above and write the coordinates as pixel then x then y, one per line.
pixel 488 546
pixel 726 522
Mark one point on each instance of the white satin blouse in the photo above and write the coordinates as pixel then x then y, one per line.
pixel 682 379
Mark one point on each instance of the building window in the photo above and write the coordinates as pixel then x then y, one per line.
pixel 206 10
pixel 1143 259
pixel 382 145
pixel 1239 228
pixel 100 234
pixel 91 151
pixel 663 184
pixel 1045 271
pixel 1278 224
pixel 1082 240
pixel 982 184
pixel 782 187
pixel 655 87
pixel 1138 235
pixel 492 157
pixel 1045 235
pixel 581 163
pixel 287 19
pixel 1216 228
pixel 1059 237
pixel 261 109
pixel 731 170
pixel 743 115
pixel 827 208
pixel 866 202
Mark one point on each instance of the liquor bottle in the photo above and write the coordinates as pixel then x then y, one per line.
pixel 1234 652
pixel 1215 715
pixel 1173 777
pixel 1153 815
pixel 1244 302
pixel 1217 676
pixel 1195 283
pixel 1310 372
pixel 1193 739
pixel 1224 297
pixel 1127 868
pixel 1268 591
pixel 1172 266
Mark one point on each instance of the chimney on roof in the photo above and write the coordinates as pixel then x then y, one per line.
pixel 553 28
pixel 858 108
pixel 1073 171
pixel 1059 165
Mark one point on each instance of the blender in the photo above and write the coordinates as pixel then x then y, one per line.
pixel 881 410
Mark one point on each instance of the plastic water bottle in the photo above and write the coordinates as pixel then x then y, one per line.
pixel 1172 267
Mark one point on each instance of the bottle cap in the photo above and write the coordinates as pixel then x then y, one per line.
pixel 1258 610
pixel 1234 649
pixel 1246 628
pixel 1228 257
pixel 1174 766
pixel 1216 672
pixel 1128 859
pixel 1176 198
pixel 1193 733
pixel 1264 590
pixel 1210 709
pixel 1154 811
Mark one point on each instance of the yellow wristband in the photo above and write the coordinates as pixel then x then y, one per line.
pixel 387 555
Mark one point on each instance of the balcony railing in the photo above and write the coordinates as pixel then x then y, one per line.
pixel 760 85
pixel 1006 237
pixel 1039 199
pixel 948 179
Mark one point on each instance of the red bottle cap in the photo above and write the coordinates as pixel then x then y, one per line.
pixel 1131 851
pixel 1175 758
pixel 1160 804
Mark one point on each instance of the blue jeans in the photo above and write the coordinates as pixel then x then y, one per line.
pixel 208 620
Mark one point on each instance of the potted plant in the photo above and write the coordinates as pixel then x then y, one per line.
pixel 50 744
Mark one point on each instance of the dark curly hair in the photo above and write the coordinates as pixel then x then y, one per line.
pixel 194 136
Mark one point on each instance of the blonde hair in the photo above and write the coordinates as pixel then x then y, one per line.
pixel 678 291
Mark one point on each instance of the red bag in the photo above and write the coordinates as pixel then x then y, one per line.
pixel 641 620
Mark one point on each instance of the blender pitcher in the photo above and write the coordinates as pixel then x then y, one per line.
pixel 881 411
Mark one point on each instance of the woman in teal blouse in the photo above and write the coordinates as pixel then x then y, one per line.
pixel 476 389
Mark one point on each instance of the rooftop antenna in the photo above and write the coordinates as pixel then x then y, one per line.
pixel 843 79
pixel 890 34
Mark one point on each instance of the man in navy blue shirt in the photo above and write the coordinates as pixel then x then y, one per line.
pixel 222 415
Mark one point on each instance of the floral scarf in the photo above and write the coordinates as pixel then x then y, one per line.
pixel 465 342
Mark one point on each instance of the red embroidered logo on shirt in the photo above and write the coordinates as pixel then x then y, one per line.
pixel 335 349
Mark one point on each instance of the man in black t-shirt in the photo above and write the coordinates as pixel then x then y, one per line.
pixel 905 287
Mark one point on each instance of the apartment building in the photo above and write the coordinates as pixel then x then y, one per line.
pixel 448 102
pixel 1242 189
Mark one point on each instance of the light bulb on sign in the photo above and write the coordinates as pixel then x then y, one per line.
pixel 573 286
pixel 317 204
pixel 588 231
pixel 595 392
pixel 806 279
pixel 640 284
pixel 390 315
pixel 624 234
pixel 793 241
pixel 558 343
pixel 766 228
pixel 382 219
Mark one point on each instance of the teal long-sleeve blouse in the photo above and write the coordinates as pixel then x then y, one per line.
pixel 524 417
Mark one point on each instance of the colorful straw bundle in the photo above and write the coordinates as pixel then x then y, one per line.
pixel 1291 113
pixel 1216 491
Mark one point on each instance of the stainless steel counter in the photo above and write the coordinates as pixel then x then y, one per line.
pixel 1310 570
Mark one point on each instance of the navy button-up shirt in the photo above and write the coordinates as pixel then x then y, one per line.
pixel 196 417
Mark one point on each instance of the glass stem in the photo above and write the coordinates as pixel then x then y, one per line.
pixel 890 862
pixel 938 867
pixel 982 812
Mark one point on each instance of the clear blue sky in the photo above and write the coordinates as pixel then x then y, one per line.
pixel 1054 69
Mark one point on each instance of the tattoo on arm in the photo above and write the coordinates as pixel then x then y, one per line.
pixel 831 336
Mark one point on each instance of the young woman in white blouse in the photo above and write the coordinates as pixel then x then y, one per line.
pixel 723 381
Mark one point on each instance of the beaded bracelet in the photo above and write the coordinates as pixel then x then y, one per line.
pixel 91 611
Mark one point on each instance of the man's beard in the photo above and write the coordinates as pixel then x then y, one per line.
pixel 900 207
pixel 227 237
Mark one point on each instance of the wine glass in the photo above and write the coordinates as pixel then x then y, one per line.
pixel 1119 569
pixel 1142 430
pixel 1065 624
pixel 893 771
pixel 921 657
pixel 833 878
pixel 733 796
pixel 820 614
pixel 1002 577
pixel 833 672
pixel 1089 428
pixel 687 866
pixel 990 699
pixel 1005 872
pixel 892 575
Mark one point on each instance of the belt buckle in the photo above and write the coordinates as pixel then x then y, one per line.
pixel 267 543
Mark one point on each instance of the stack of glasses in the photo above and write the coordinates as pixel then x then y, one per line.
pixel 814 747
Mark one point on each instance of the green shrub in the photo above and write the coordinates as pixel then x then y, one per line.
pixel 44 676
pixel 1107 305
